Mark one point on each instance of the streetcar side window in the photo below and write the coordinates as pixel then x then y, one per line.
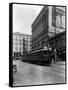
pixel 44 52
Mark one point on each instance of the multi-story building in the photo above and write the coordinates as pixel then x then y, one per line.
pixel 59 42
pixel 49 22
pixel 21 43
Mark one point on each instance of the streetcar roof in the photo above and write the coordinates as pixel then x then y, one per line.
pixel 44 49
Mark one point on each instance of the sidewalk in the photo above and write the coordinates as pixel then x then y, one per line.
pixel 60 62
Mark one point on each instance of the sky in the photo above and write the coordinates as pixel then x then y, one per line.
pixel 24 16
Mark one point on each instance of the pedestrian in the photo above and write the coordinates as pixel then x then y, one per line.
pixel 55 55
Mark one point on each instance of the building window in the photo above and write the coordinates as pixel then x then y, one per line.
pixel 52 43
pixel 16 39
pixel 19 49
pixel 39 45
pixel 20 40
pixel 43 43
pixel 61 39
pixel 56 41
pixel 16 49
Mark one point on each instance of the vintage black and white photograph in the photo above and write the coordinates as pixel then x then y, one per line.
pixel 38 44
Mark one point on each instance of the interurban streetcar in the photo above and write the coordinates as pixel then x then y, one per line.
pixel 43 55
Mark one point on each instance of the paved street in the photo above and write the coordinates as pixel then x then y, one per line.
pixel 31 74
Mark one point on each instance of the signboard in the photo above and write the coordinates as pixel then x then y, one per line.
pixel 58 18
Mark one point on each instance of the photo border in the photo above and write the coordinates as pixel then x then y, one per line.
pixel 11 44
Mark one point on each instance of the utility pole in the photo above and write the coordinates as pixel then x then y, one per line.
pixel 55 42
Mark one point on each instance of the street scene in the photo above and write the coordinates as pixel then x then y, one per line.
pixel 39 45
